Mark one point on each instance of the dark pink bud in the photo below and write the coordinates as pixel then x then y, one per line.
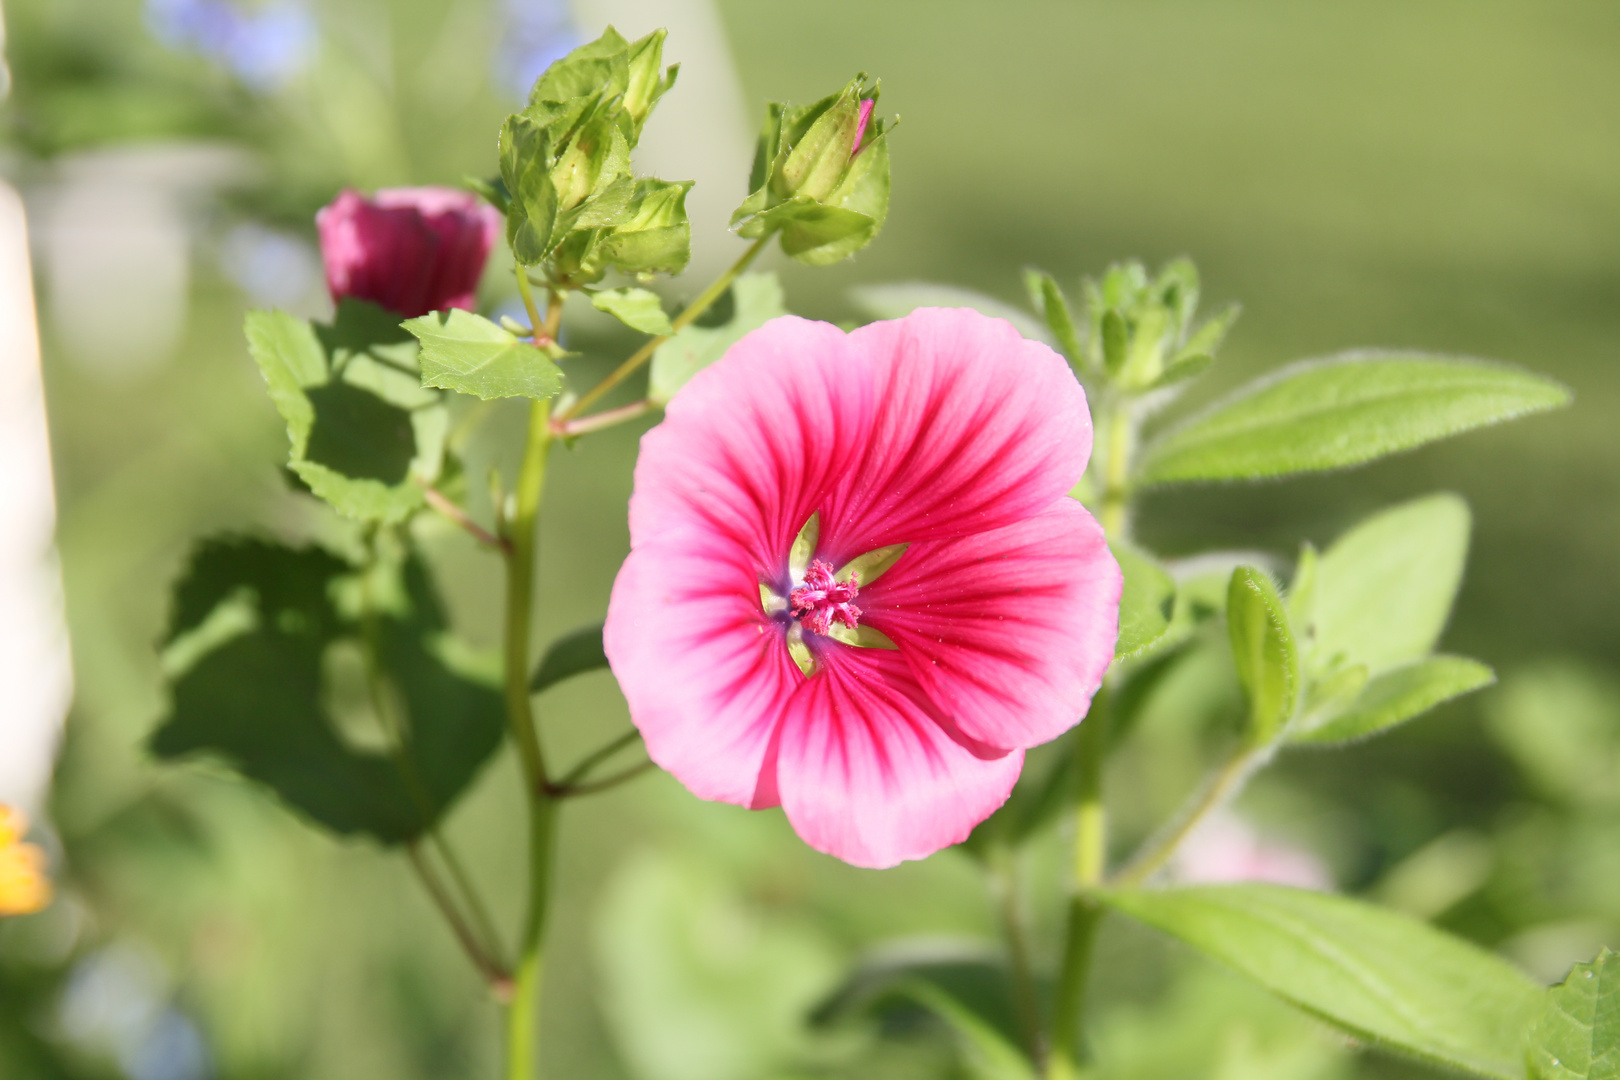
pixel 860 126
pixel 412 250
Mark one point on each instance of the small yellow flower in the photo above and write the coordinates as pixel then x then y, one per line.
pixel 24 888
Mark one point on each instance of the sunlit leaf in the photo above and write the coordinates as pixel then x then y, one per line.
pixel 1380 976
pixel 1577 1035
pixel 1343 411
pixel 639 309
pixel 469 354
pixel 1397 696
pixel 1145 605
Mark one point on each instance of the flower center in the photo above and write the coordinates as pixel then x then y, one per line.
pixel 823 599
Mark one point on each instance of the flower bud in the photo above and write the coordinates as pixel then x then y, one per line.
pixel 411 250
pixel 818 178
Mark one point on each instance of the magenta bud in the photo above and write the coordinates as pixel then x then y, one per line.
pixel 860 125
pixel 411 250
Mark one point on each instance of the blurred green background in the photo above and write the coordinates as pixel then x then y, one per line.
pixel 1443 175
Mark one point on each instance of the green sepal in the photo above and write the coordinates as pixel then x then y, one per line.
pixel 653 234
pixel 471 355
pixel 364 433
pixel 1049 300
pixel 249 660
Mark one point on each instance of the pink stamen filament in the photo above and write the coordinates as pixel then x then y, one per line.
pixel 823 600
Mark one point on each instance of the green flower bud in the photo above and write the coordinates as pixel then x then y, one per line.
pixel 820 176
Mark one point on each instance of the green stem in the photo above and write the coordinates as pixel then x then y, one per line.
pixel 1116 494
pixel 1004 883
pixel 568 791
pixel 597 756
pixel 1220 789
pixel 642 355
pixel 1090 861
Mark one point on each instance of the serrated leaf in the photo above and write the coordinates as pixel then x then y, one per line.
pixel 1577 1034
pixel 1146 604
pixel 897 300
pixel 639 309
pixel 1396 697
pixel 471 355
pixel 572 654
pixel 361 427
pixel 1346 410
pixel 1383 591
pixel 757 298
pixel 961 983
pixel 255 688
pixel 1380 976
pixel 1263 648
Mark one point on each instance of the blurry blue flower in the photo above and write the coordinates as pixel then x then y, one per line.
pixel 536 33
pixel 263 46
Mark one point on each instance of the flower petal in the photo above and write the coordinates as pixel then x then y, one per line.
pixel 867 773
pixel 705 672
pixel 976 427
pixel 1009 631
pixel 750 447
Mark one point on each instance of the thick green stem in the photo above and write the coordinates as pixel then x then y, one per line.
pixel 643 354
pixel 523 1019
pixel 1090 863
pixel 1116 494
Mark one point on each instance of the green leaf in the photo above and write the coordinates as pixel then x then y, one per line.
pixel 362 428
pixel 1577 1034
pixel 1054 307
pixel 757 298
pixel 903 297
pixel 469 354
pixel 1146 604
pixel 1263 647
pixel 1343 411
pixel 959 982
pixel 1383 591
pixel 638 309
pixel 256 633
pixel 1396 697
pixel 572 654
pixel 1380 976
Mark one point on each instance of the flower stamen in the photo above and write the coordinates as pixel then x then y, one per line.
pixel 823 599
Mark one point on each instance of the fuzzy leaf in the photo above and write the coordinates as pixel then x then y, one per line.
pixel 1577 1035
pixel 1383 591
pixel 362 428
pixel 250 651
pixel 638 309
pixel 757 298
pixel 1145 605
pixel 1396 697
pixel 469 354
pixel 1380 976
pixel 1263 647
pixel 1343 411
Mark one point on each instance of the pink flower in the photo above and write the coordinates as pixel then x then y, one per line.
pixel 945 431
pixel 412 250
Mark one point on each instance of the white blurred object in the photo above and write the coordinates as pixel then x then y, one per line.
pixel 1225 848
pixel 701 130
pixel 116 249
pixel 36 679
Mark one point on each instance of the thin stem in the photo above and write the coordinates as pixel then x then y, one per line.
pixel 1090 860
pixel 597 756
pixel 1004 883
pixel 568 791
pixel 526 291
pixel 447 507
pixel 470 896
pixel 1220 789
pixel 522 1039
pixel 597 421
pixel 488 966
pixel 693 310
